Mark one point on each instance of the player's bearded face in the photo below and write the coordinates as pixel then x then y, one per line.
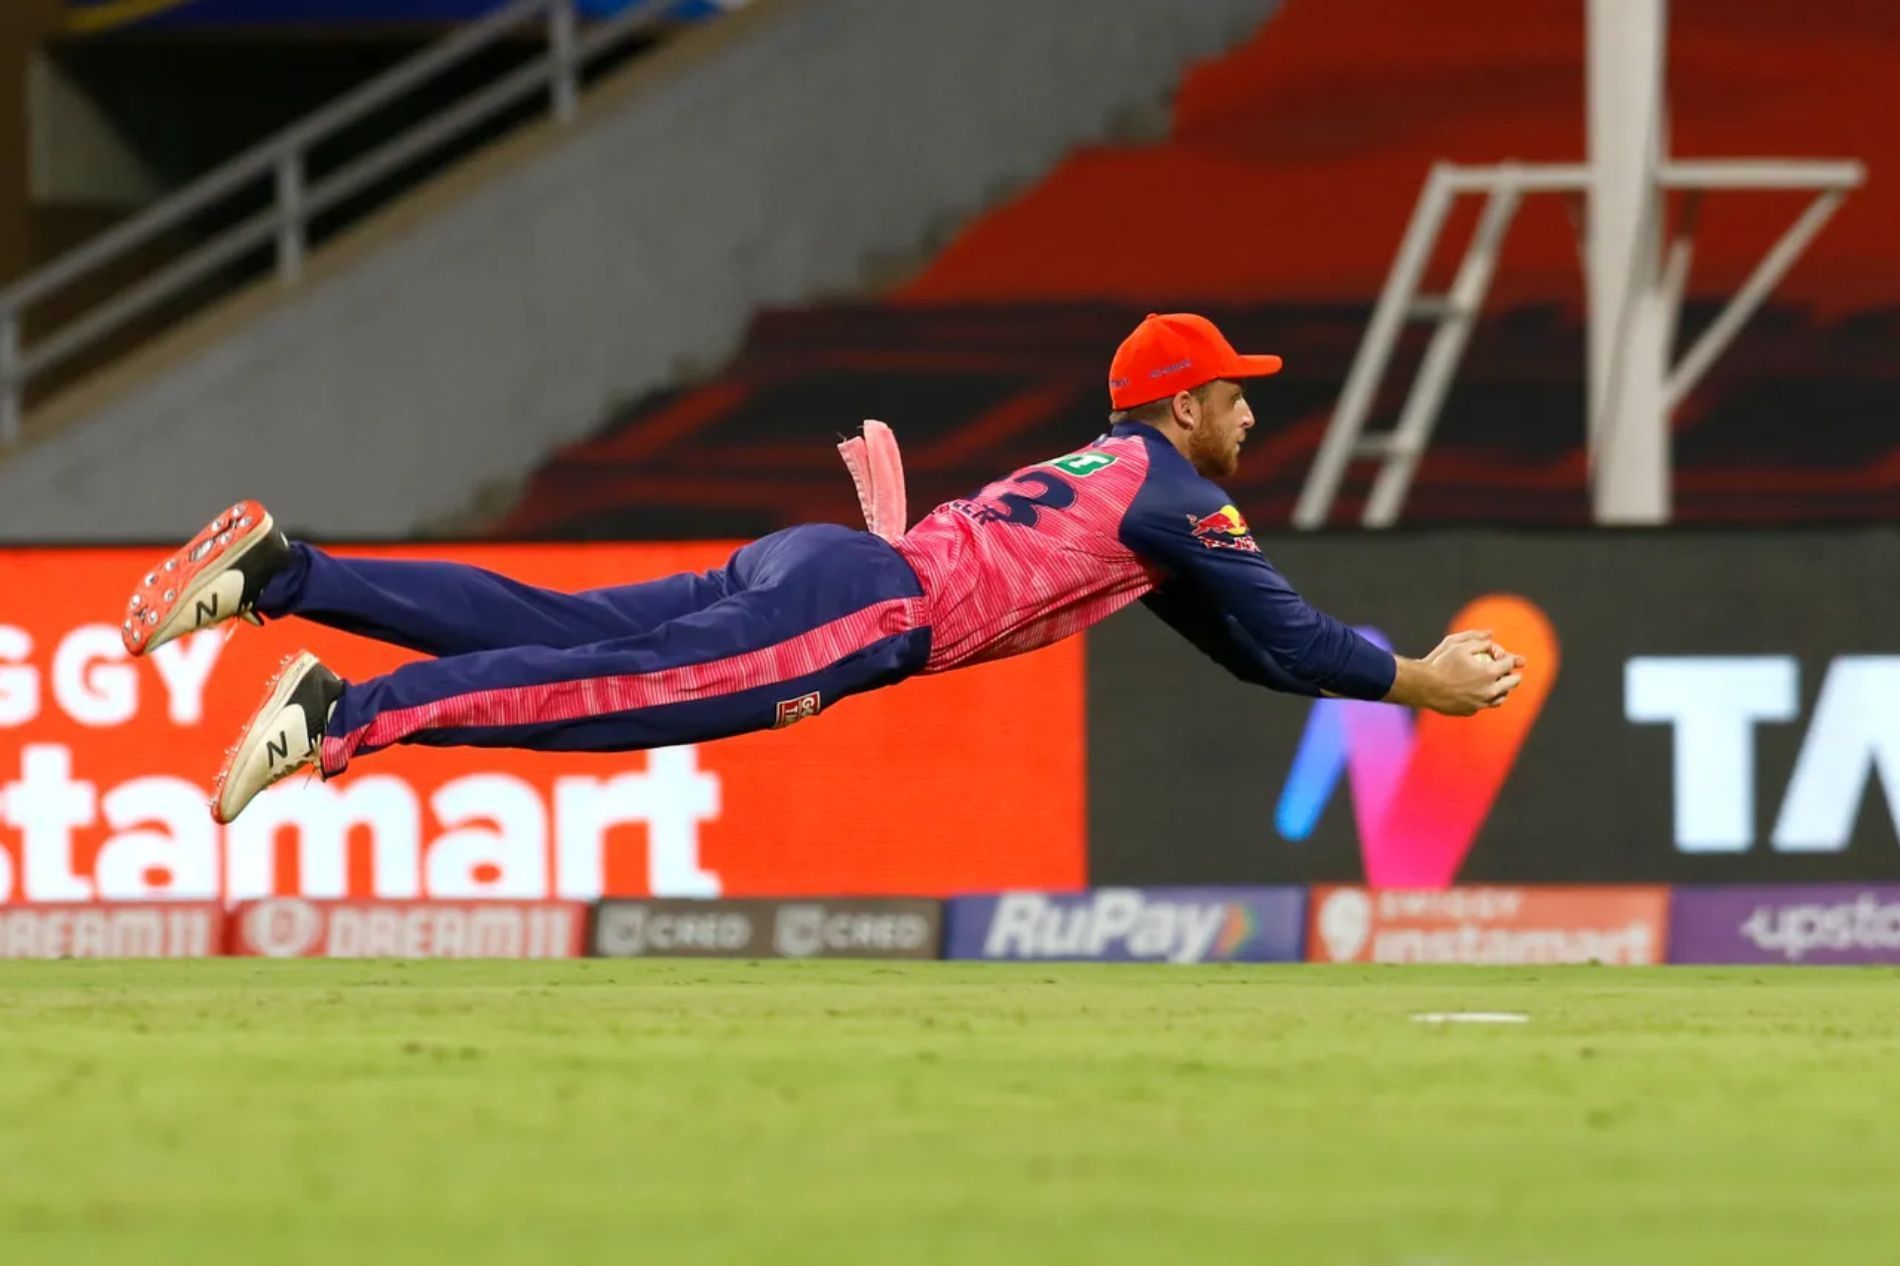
pixel 1214 444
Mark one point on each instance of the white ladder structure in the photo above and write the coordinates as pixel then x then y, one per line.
pixel 1634 287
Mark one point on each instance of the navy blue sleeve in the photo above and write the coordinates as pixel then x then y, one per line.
pixel 1185 525
pixel 1220 637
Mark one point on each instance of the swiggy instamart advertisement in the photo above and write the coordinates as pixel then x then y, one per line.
pixel 972 781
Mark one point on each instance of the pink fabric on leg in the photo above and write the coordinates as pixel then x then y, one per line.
pixel 859 464
pixel 888 518
pixel 596 696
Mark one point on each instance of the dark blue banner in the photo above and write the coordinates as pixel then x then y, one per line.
pixel 88 16
pixel 1131 925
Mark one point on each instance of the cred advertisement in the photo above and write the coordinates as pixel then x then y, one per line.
pixel 106 765
pixel 293 928
pixel 1826 924
pixel 1131 925
pixel 768 929
pixel 1509 926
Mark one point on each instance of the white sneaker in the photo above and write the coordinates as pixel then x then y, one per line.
pixel 282 737
pixel 216 575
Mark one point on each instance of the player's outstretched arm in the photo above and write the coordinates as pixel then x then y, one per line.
pixel 1230 601
pixel 1219 636
pixel 1465 672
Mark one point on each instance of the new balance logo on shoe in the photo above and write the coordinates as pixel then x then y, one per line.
pixel 220 573
pixel 284 735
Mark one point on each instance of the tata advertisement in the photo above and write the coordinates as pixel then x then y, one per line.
pixel 1699 707
pixel 938 786
pixel 96 16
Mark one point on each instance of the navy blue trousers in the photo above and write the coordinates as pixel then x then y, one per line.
pixel 791 624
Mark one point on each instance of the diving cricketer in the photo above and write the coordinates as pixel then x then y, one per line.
pixel 808 616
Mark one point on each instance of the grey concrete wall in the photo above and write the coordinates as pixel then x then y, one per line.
pixel 761 164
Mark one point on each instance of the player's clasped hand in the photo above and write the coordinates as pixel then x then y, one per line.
pixel 1474 672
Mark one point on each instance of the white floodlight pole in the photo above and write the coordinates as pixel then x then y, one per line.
pixel 1634 284
pixel 1632 300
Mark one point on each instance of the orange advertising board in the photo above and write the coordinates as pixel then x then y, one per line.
pixel 1627 925
pixel 972 781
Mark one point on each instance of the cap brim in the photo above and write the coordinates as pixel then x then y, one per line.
pixel 1255 367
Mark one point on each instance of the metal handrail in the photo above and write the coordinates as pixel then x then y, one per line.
pixel 282 158
pixel 1401 298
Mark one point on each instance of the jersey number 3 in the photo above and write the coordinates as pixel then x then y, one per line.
pixel 1023 509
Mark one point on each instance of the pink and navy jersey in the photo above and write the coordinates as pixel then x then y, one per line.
pixel 1063 544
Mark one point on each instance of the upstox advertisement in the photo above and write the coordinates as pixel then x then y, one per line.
pixel 1813 925
pixel 1714 707
pixel 940 785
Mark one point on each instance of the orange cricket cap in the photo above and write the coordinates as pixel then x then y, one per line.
pixel 1176 351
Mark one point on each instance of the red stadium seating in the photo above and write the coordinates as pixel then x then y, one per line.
pixel 1275 205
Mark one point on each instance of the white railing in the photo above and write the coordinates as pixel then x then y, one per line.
pixel 1399 449
pixel 282 161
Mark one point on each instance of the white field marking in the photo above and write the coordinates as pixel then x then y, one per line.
pixel 1471 1017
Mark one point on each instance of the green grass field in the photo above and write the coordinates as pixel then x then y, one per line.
pixel 231 1111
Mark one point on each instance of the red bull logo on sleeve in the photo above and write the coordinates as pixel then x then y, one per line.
pixel 1223 529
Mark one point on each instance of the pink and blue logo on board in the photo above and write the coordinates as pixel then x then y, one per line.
pixel 1421 787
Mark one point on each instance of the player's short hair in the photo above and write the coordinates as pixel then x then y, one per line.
pixel 1157 410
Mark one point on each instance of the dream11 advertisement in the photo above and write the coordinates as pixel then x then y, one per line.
pixel 936 787
pixel 1698 707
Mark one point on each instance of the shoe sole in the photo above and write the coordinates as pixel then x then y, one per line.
pixel 276 696
pixel 180 581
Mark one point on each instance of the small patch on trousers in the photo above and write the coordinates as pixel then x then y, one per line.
pixel 792 711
